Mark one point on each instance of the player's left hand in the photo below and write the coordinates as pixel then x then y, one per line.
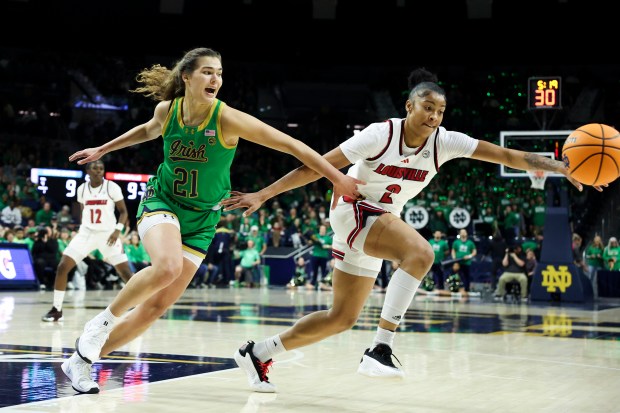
pixel 578 184
pixel 347 186
pixel 573 181
pixel 87 155
pixel 252 201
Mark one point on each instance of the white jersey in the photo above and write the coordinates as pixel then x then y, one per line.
pixel 395 173
pixel 99 205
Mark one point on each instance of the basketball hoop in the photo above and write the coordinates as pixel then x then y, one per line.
pixel 537 178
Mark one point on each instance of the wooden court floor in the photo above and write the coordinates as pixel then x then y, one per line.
pixel 458 356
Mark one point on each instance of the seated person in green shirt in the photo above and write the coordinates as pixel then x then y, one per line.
pixel 248 269
pixel 300 278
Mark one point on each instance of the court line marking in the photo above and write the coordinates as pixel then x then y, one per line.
pixel 297 355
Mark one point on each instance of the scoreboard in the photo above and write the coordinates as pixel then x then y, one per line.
pixel 60 186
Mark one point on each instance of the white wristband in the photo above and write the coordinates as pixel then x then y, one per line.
pixel 120 227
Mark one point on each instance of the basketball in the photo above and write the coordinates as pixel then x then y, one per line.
pixel 592 154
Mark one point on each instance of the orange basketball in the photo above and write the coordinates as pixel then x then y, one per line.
pixel 592 154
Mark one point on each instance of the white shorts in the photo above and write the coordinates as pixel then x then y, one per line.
pixel 149 221
pixel 351 222
pixel 86 241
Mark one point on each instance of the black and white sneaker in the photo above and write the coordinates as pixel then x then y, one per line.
pixel 52 315
pixel 255 369
pixel 378 363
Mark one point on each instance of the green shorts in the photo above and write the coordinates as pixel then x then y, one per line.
pixel 197 227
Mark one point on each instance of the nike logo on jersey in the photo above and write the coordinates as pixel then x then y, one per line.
pixel 406 160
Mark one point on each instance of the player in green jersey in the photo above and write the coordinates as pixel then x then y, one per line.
pixel 179 212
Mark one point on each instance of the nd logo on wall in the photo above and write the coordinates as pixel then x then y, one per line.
pixel 556 279
pixel 560 282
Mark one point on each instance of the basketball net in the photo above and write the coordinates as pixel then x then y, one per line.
pixel 538 179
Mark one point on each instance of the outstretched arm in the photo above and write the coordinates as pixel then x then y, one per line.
pixel 294 179
pixel 239 124
pixel 141 133
pixel 525 161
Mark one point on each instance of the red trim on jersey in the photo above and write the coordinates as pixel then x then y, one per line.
pixel 402 141
pixel 402 138
pixel 338 254
pixel 388 143
pixel 362 212
pixel 435 151
pixel 421 147
pixel 97 202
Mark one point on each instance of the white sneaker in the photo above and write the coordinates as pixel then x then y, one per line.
pixel 378 363
pixel 90 343
pixel 255 369
pixel 78 372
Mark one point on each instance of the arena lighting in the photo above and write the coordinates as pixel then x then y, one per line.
pixel 102 106
pixel 292 125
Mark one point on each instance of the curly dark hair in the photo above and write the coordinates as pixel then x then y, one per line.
pixel 422 82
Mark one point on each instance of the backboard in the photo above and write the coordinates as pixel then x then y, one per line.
pixel 544 142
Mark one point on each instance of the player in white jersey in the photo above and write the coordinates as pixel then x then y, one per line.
pixel 397 159
pixel 99 230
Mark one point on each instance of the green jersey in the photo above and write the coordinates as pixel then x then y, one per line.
pixel 196 168
pixel 193 178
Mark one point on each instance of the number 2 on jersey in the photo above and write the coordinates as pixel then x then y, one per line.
pixel 386 198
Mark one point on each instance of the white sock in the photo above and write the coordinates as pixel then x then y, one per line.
pixel 269 348
pixel 59 297
pixel 398 296
pixel 109 317
pixel 384 336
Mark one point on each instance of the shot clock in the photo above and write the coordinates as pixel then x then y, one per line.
pixel 544 92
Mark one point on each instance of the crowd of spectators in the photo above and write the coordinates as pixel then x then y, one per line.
pixel 41 123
